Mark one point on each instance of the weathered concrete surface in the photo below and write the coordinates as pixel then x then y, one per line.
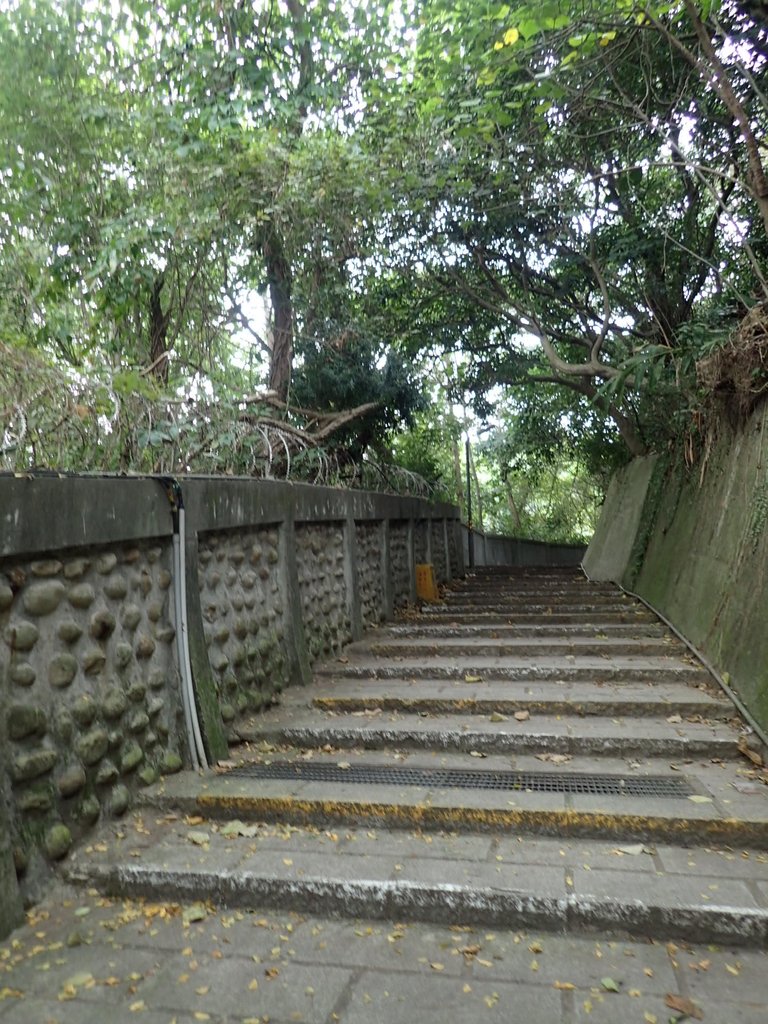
pixel 609 551
pixel 135 961
pixel 694 543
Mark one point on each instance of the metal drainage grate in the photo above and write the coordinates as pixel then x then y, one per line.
pixel 445 778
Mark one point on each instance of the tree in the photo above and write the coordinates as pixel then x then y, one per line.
pixel 590 186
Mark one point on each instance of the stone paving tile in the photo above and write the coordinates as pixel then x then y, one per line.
pixel 238 986
pixel 308 968
pixel 38 1011
pixel 744 864
pixel 543 881
pixel 433 1000
pixel 299 864
pixel 587 854
pixel 663 890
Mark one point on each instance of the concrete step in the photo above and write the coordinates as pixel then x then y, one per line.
pixel 549 595
pixel 489 698
pixel 725 805
pixel 507 647
pixel 567 668
pixel 541 733
pixel 427 630
pixel 594 609
pixel 564 885
pixel 440 615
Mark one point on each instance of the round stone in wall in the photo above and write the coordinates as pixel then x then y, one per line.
pixel 57 842
pixel 70 631
pixel 107 772
pixel 119 801
pixel 81 595
pixel 61 670
pixel 92 746
pixel 106 563
pixel 43 598
pixel 21 635
pixel 71 780
pixel 114 702
pixel 48 567
pixel 24 720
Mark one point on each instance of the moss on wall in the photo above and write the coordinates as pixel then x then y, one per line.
pixel 700 553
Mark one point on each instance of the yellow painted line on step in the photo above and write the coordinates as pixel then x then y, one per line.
pixel 558 822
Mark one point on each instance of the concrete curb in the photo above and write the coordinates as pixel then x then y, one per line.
pixel 439 904
pixel 564 823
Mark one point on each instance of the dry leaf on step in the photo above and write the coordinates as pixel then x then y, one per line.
pixel 683 1005
pixel 753 756
pixel 522 716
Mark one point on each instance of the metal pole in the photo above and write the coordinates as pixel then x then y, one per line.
pixel 470 535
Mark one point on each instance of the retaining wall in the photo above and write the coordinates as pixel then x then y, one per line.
pixel 694 543
pixel 278 575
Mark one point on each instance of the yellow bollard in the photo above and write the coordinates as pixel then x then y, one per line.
pixel 426 588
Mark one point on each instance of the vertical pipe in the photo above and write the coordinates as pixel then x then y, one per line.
pixel 470 536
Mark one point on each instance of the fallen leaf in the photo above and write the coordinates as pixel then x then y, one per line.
pixel 80 979
pixel 344 765
pixel 477 753
pixel 437 967
pixel 253 985
pixel 555 758
pixel 138 1007
pixel 683 1005
pixel 271 972
pixel 497 717
pixel 650 1018
pixel 609 984
pixel 752 755
pixel 631 851
pixel 749 788
pixel 565 986
pixel 198 838
pixel 735 970
pixel 473 679
pixel 674 719
pixel 697 799
pixel 194 819
pixel 196 912
pixel 239 828
pixel 522 716
pixel 536 947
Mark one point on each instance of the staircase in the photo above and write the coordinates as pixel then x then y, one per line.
pixel 533 751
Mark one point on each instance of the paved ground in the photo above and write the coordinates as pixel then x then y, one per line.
pixel 86 959
pixel 292 898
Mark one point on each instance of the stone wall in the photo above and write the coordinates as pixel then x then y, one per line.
pixel 277 576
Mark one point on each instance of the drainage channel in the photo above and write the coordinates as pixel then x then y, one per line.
pixel 663 786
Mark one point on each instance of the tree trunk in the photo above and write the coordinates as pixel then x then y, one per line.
pixel 458 481
pixel 158 333
pixel 280 281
